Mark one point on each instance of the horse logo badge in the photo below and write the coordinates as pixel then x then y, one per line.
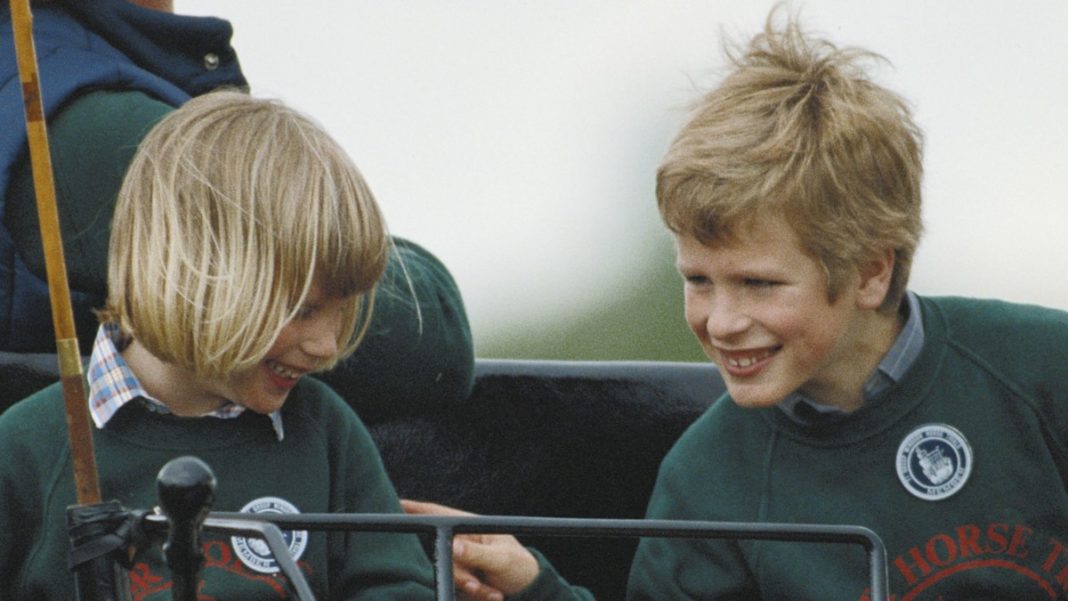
pixel 934 462
pixel 254 552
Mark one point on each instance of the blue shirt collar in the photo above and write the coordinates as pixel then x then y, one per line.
pixel 902 354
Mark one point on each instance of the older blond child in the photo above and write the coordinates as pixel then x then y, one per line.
pixel 940 423
pixel 244 251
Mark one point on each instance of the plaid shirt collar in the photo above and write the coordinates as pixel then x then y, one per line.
pixel 891 368
pixel 112 384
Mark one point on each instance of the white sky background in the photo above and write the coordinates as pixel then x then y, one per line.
pixel 518 140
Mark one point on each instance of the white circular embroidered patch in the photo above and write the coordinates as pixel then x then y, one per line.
pixel 934 461
pixel 253 552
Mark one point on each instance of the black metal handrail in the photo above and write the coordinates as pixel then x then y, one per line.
pixel 444 528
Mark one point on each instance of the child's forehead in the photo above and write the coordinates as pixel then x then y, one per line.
pixel 769 231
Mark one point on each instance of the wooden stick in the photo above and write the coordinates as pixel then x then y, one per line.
pixel 70 361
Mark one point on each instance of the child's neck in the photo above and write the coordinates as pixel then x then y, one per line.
pixel 182 392
pixel 876 333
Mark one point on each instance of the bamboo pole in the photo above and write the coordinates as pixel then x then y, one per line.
pixel 70 362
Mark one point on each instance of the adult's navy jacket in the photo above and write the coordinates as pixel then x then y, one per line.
pixel 120 46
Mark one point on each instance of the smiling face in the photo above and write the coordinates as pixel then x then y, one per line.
pixel 305 344
pixel 759 306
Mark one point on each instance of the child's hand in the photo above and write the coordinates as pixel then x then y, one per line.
pixel 486 567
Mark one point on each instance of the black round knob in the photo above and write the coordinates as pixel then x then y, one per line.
pixel 186 488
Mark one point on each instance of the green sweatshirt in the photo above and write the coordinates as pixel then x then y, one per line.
pixel 326 463
pixel 960 468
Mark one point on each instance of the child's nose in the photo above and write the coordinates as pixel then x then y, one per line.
pixel 726 318
pixel 321 338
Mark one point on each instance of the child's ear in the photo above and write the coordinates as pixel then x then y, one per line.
pixel 875 276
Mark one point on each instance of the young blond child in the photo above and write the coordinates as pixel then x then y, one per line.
pixel 940 423
pixel 244 252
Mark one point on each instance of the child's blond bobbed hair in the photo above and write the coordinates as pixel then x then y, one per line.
pixel 798 129
pixel 230 208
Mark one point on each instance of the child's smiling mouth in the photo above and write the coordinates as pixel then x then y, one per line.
pixel 282 370
pixel 747 362
pixel 283 376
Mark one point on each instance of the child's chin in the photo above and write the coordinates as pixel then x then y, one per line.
pixel 751 399
pixel 267 406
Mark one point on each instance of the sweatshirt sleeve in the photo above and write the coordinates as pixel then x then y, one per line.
pixel 31 454
pixel 681 568
pixel 379 566
pixel 13 518
pixel 550 585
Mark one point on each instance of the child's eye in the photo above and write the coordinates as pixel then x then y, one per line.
pixel 696 280
pixel 305 312
pixel 759 283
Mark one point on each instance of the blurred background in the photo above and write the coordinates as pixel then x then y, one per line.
pixel 518 141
